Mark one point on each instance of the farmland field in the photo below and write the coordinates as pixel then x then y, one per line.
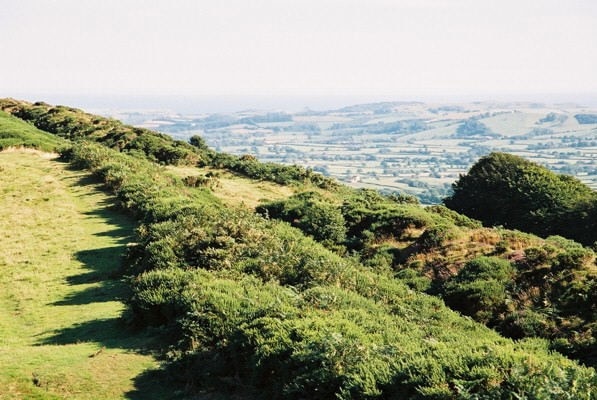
pixel 412 147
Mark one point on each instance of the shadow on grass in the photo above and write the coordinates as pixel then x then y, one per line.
pixel 102 282
pixel 160 384
pixel 104 264
pixel 123 225
pixel 104 292
pixel 109 332
pixel 113 333
pixel 109 211
pixel 104 275
pixel 187 386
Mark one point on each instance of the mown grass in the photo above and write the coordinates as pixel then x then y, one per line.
pixel 61 335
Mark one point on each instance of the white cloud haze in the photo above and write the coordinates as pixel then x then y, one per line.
pixel 308 46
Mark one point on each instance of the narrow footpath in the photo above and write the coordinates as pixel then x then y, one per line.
pixel 61 241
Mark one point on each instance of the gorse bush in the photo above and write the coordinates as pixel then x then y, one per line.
pixel 436 236
pixel 481 288
pixel 254 303
pixel 250 167
pixel 311 213
pixel 369 210
pixel 451 215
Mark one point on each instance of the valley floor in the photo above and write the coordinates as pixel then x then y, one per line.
pixel 60 304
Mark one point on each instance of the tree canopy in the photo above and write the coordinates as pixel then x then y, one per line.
pixel 502 189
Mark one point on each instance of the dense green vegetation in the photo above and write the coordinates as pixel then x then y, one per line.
pixel 527 288
pixel 73 124
pixel 502 189
pixel 322 295
pixel 283 174
pixel 255 300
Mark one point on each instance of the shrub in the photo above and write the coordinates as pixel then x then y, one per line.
pixel 451 215
pixel 436 236
pixel 312 214
pixel 502 189
pixel 480 288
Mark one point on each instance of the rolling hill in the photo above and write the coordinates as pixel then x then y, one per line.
pixel 324 292
pixel 410 147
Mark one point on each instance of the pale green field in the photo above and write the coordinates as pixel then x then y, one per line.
pixel 60 331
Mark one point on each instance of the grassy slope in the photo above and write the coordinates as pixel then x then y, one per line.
pixel 15 133
pixel 60 335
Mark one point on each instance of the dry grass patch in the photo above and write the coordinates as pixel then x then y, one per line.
pixel 235 190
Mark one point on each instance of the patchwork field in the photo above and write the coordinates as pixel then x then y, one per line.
pixel 411 147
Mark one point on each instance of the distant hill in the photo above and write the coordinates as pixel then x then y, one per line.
pixel 407 147
pixel 327 291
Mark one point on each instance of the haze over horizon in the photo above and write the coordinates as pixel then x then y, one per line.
pixel 232 49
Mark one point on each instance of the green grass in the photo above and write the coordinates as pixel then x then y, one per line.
pixel 60 330
pixel 17 133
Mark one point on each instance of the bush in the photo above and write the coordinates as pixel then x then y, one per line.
pixel 436 236
pixel 250 167
pixel 502 189
pixel 480 288
pixel 312 214
pixel 456 218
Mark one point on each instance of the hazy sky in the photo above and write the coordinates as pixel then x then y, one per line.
pixel 205 47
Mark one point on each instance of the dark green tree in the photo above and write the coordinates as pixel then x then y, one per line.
pixel 502 189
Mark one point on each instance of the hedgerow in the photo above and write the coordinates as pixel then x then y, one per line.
pixel 73 124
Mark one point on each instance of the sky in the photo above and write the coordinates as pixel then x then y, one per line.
pixel 396 48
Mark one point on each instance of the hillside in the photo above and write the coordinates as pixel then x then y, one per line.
pixel 326 291
pixel 14 133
